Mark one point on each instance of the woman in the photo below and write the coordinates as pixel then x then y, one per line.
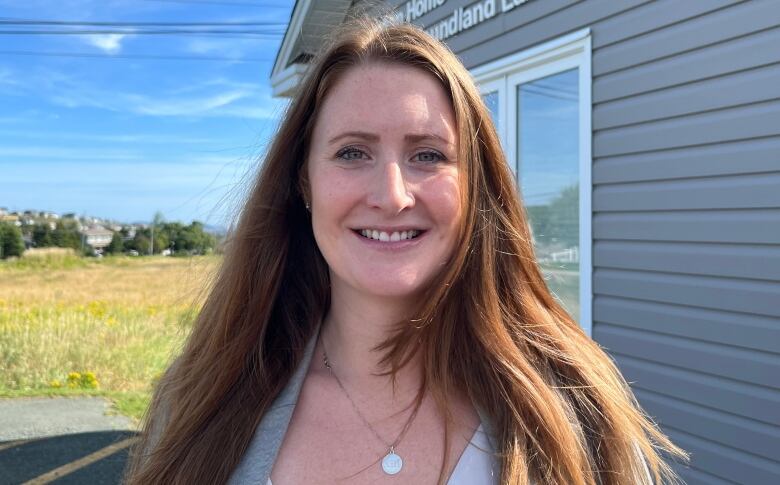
pixel 380 315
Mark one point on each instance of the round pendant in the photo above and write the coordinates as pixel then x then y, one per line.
pixel 392 463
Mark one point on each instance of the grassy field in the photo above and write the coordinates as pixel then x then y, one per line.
pixel 109 327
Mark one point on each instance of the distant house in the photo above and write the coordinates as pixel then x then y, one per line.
pixel 97 236
pixel 11 219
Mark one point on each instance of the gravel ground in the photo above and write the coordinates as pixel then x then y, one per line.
pixel 27 418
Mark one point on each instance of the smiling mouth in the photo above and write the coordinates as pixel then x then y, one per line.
pixel 389 236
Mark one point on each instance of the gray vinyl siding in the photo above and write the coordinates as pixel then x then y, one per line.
pixel 686 210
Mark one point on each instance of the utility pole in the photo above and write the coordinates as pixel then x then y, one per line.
pixel 83 216
pixel 151 246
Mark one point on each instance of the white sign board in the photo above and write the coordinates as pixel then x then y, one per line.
pixel 458 20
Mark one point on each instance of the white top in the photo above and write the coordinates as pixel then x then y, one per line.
pixel 477 465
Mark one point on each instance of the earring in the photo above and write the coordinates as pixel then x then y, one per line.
pixel 308 206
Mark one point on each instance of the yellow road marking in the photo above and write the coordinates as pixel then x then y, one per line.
pixel 81 462
pixel 11 444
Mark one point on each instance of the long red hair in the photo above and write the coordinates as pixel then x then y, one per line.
pixel 490 328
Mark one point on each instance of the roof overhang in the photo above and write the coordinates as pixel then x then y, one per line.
pixel 284 82
pixel 309 23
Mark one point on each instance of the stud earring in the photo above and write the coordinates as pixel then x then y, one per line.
pixel 308 206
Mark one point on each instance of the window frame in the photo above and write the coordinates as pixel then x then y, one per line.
pixel 504 75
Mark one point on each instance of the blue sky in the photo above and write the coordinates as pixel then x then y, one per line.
pixel 124 137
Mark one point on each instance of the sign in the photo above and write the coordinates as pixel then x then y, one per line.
pixel 460 19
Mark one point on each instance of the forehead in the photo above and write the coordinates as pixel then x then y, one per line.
pixel 386 98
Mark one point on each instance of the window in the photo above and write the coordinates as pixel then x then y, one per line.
pixel 491 100
pixel 540 102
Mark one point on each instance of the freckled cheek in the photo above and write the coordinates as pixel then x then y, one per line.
pixel 343 191
pixel 443 200
pixel 333 194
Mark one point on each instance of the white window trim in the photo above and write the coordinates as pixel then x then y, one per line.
pixel 561 54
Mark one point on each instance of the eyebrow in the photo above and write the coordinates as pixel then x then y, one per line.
pixel 410 137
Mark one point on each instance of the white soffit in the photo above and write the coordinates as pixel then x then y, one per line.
pixel 310 22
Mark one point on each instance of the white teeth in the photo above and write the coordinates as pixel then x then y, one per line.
pixel 392 237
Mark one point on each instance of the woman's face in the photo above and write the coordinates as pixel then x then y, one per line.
pixel 383 174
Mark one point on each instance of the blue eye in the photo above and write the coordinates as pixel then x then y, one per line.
pixel 350 153
pixel 430 157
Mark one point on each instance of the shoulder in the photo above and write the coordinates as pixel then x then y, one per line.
pixel 256 464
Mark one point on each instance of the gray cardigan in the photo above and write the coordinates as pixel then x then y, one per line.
pixel 258 460
pixel 256 464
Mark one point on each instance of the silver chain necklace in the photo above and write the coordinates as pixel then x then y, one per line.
pixel 391 463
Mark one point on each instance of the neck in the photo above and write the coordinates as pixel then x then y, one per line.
pixel 354 325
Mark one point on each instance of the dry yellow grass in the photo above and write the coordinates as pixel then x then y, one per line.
pixel 121 319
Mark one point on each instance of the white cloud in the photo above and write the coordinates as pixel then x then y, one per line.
pixel 109 43
pixel 235 49
pixel 186 107
pixel 134 138
pixel 230 103
pixel 7 76
pixel 208 98
pixel 64 153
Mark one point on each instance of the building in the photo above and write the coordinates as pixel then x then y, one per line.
pixel 645 136
pixel 97 236
pixel 11 219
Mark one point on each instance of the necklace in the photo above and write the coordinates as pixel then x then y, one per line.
pixel 391 463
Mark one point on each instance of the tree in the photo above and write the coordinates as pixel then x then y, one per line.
pixel 564 216
pixel 11 242
pixel 161 242
pixel 42 236
pixel 558 220
pixel 141 243
pixel 66 236
pixel 157 221
pixel 88 250
pixel 116 246
pixel 193 239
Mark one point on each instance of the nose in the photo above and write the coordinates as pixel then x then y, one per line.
pixel 390 191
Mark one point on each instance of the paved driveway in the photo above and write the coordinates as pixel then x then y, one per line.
pixel 62 441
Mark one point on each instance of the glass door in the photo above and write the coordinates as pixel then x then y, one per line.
pixel 547 154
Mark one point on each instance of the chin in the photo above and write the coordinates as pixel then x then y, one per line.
pixel 394 289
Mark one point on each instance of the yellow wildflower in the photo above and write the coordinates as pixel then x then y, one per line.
pixel 74 380
pixel 97 309
pixel 89 381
